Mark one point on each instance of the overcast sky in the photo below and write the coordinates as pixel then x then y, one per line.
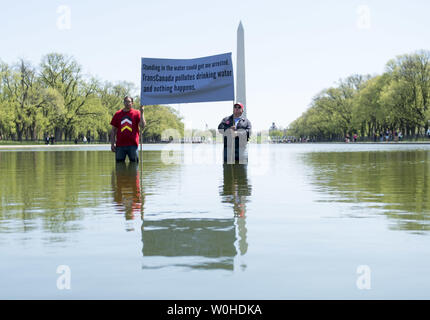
pixel 293 49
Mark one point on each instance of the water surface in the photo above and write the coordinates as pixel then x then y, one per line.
pixel 295 223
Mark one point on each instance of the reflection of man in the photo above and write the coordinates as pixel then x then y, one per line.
pixel 125 131
pixel 236 188
pixel 235 191
pixel 126 186
pixel 236 130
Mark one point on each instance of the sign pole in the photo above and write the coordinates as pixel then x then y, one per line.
pixel 141 175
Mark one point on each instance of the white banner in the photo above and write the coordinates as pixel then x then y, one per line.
pixel 168 81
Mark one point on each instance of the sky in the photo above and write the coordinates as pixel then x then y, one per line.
pixel 293 49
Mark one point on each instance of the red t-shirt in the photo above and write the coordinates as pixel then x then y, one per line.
pixel 127 124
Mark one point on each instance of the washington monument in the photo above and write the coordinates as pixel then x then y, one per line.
pixel 240 61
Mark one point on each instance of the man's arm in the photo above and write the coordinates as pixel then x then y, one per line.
pixel 245 130
pixel 113 138
pixel 223 126
pixel 248 128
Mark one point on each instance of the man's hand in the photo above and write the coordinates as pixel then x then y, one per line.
pixel 113 139
pixel 241 132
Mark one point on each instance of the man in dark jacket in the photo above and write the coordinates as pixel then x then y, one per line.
pixel 236 130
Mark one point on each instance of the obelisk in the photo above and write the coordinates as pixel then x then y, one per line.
pixel 240 69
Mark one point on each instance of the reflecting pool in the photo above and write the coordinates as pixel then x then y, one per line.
pixel 311 221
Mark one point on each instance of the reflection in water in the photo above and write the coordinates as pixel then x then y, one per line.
pixel 396 183
pixel 208 238
pixel 49 191
pixel 236 188
pixel 235 191
pixel 54 191
pixel 203 243
pixel 127 190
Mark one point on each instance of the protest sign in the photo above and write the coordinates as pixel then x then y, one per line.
pixel 168 81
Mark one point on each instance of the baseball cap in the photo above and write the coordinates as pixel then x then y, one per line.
pixel 238 104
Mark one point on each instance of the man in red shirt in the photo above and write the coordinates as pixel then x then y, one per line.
pixel 125 131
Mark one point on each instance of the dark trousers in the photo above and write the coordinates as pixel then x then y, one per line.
pixel 130 151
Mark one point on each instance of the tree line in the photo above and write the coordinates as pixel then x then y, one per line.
pixel 57 98
pixel 397 101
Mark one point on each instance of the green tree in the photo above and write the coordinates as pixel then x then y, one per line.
pixel 409 92
pixel 64 74
pixel 23 100
pixel 370 111
pixel 160 118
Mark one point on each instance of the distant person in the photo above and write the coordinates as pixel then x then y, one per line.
pixel 236 130
pixel 400 135
pixel 355 137
pixel 52 139
pixel 47 140
pixel 125 131
pixel 84 140
pixel 428 133
pixel 89 139
pixel 76 140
